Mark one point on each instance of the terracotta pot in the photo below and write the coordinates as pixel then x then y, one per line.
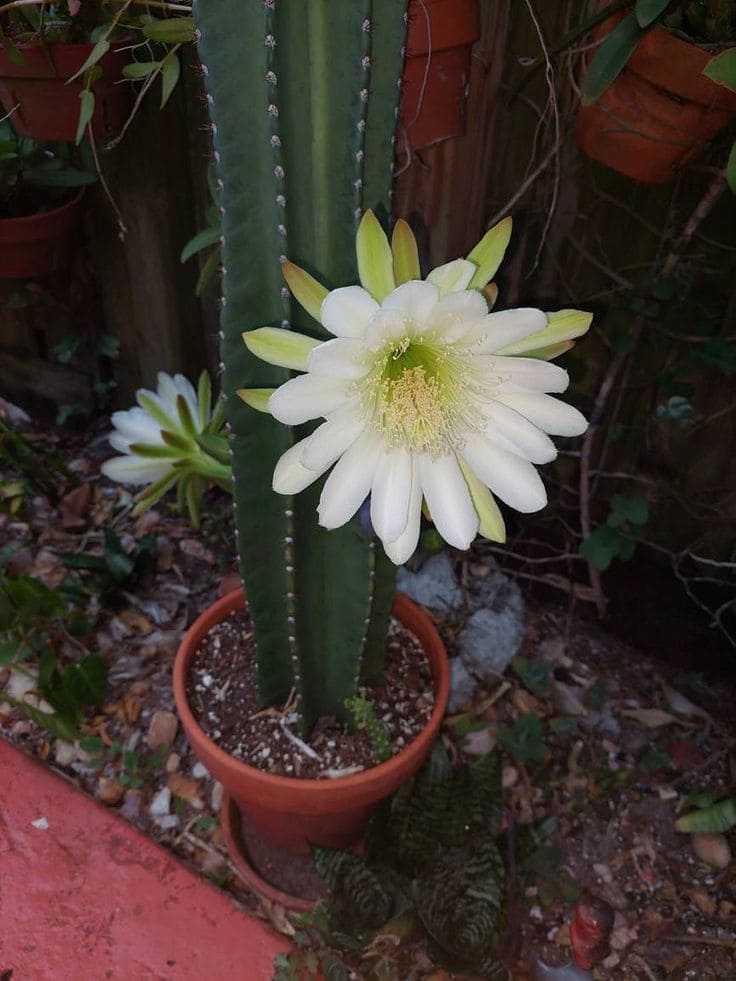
pixel 42 243
pixel 48 108
pixel 289 812
pixel 658 113
pixel 440 37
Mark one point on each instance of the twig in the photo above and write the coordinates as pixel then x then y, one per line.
pixel 122 227
pixel 700 939
pixel 551 100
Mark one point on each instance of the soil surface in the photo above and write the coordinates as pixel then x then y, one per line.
pixel 223 695
pixel 628 739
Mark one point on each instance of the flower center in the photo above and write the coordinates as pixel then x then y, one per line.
pixel 419 396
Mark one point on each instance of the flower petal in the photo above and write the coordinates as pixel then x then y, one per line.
pixel 343 357
pixel 520 374
pixel 347 310
pixel 508 326
pixel 391 493
pixel 307 397
pixel 414 300
pixel 510 477
pixel 350 481
pixel 135 470
pixel 549 414
pixel 448 499
pixel 456 314
pixel 290 476
pixel 401 549
pixel 283 348
pixel 453 276
pixel 137 426
pixel 330 440
pixel 523 437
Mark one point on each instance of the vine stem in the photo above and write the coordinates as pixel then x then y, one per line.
pixel 679 246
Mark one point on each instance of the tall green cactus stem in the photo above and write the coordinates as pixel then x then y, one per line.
pixel 303 98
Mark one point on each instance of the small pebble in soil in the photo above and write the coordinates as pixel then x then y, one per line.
pixel 162 729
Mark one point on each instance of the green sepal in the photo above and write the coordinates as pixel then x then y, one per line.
pixel 375 259
pixel 489 252
pixel 256 398
pixel 283 348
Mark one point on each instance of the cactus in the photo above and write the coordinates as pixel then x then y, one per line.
pixel 303 99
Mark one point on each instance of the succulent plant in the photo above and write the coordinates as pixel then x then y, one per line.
pixel 303 98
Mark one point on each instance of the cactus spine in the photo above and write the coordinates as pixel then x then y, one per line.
pixel 303 98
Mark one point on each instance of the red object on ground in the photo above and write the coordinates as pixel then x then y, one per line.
pixel 590 931
pixel 289 812
pixel 84 895
pixel 45 107
pixel 660 111
pixel 42 243
pixel 440 37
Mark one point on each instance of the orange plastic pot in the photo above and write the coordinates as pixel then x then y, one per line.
pixel 440 37
pixel 42 243
pixel 658 113
pixel 288 812
pixel 41 103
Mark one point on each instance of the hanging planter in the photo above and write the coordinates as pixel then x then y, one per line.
pixel 659 112
pixel 45 107
pixel 440 38
pixel 42 243
pixel 289 812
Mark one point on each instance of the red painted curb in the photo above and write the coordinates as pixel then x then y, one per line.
pixel 88 897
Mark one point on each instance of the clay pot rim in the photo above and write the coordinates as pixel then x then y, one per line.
pixel 41 218
pixel 271 781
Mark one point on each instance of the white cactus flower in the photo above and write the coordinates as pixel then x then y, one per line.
pixel 424 395
pixel 171 436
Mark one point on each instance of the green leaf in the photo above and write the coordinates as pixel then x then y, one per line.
pixel 648 11
pixel 524 740
pixel 563 726
pixel 202 240
pixel 208 271
pixel 139 69
pixel 731 169
pixel 722 69
pixel 117 560
pixel 610 59
pixel 716 819
pixel 98 51
pixel 535 675
pixel 173 30
pixel 86 112
pixel 170 72
pixel 629 508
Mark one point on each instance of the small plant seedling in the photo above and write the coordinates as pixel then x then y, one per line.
pixel 524 739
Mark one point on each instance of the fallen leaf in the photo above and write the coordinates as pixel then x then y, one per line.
pixel 685 754
pixel 705 903
pixel 74 507
pixel 566 700
pixel 682 705
pixel 713 849
pixel 186 788
pixel 651 718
